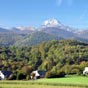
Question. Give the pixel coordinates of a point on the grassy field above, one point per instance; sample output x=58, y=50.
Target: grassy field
x=67, y=82
x=32, y=86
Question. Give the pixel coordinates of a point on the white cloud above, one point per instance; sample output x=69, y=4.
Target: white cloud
x=67, y=2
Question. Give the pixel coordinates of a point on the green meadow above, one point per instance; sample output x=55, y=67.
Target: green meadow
x=67, y=82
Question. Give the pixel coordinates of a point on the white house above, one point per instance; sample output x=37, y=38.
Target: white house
x=5, y=74
x=1, y=75
x=36, y=75
x=85, y=71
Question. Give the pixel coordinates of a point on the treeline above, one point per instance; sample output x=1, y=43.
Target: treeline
x=56, y=57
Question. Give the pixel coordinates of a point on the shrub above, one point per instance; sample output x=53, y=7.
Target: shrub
x=75, y=71
x=26, y=70
x=58, y=74
x=67, y=69
x=21, y=76
x=61, y=74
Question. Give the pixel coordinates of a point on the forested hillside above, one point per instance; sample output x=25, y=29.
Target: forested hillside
x=36, y=38
x=7, y=39
x=20, y=39
x=64, y=56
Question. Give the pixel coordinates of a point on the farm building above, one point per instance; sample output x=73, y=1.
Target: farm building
x=42, y=73
x=38, y=74
x=2, y=76
x=5, y=74
x=85, y=72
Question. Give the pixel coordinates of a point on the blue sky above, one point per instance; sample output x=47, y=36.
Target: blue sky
x=73, y=13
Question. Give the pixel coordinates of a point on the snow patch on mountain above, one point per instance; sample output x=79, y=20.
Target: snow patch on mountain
x=22, y=28
x=51, y=23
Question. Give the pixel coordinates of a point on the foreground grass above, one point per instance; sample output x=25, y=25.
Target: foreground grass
x=67, y=82
x=32, y=86
x=81, y=80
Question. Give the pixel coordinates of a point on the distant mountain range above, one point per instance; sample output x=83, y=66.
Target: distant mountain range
x=4, y=30
x=50, y=30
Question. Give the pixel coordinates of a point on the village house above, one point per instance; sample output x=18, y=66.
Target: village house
x=38, y=74
x=85, y=72
x=5, y=74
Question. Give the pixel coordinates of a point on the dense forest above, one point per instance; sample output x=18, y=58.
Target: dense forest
x=56, y=57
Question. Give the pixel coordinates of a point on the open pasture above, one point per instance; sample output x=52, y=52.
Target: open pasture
x=67, y=82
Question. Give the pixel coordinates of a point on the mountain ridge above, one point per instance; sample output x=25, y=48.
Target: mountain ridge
x=51, y=29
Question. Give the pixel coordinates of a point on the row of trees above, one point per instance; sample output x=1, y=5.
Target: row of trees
x=56, y=57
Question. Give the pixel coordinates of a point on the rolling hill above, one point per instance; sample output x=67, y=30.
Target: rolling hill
x=36, y=38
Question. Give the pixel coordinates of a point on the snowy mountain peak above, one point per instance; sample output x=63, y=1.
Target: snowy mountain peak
x=51, y=23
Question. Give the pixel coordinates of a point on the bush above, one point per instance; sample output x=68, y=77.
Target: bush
x=21, y=76
x=75, y=71
x=61, y=74
x=67, y=69
x=50, y=74
x=26, y=70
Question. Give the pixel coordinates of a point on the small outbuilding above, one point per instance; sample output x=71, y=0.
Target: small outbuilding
x=42, y=73
x=5, y=74
x=35, y=75
x=38, y=74
x=85, y=72
x=2, y=76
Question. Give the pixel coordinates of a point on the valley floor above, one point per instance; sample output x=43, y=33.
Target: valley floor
x=32, y=86
x=67, y=82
